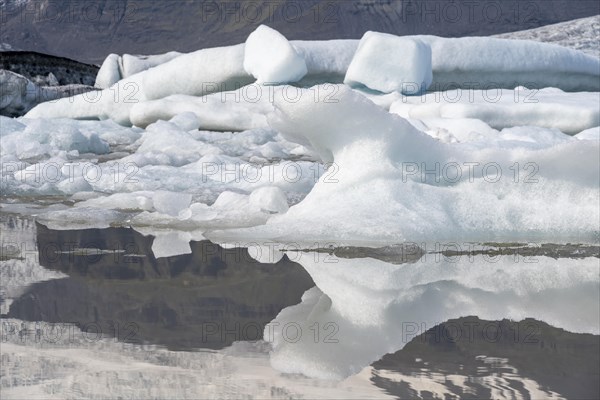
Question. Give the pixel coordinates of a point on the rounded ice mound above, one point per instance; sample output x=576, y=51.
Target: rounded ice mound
x=389, y=63
x=270, y=199
x=109, y=72
x=271, y=59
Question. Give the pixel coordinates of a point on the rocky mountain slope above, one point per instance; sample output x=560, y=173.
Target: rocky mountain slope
x=89, y=31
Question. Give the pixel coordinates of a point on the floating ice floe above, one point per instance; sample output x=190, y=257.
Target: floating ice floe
x=70, y=158
x=37, y=138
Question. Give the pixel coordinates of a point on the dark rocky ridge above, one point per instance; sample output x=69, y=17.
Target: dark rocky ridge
x=32, y=64
x=29, y=78
x=89, y=31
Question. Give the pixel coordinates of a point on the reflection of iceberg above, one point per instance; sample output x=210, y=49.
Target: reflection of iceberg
x=365, y=308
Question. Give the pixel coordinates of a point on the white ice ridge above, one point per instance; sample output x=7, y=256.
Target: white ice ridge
x=199, y=73
x=115, y=67
x=524, y=183
x=464, y=62
x=504, y=63
x=364, y=308
x=237, y=110
x=571, y=113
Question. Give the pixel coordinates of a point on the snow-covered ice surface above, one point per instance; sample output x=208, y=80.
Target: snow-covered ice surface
x=486, y=62
x=183, y=148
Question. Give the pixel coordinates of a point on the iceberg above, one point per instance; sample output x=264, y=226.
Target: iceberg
x=526, y=184
x=463, y=63
x=109, y=72
x=326, y=60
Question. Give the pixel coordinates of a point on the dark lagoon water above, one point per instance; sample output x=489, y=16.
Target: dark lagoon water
x=94, y=314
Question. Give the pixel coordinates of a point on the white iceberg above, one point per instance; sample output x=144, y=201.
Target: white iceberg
x=326, y=60
x=528, y=183
x=472, y=63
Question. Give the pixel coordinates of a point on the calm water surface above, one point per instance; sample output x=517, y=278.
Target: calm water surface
x=94, y=314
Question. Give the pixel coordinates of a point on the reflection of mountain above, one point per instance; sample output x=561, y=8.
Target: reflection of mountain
x=209, y=298
x=88, y=31
x=487, y=353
